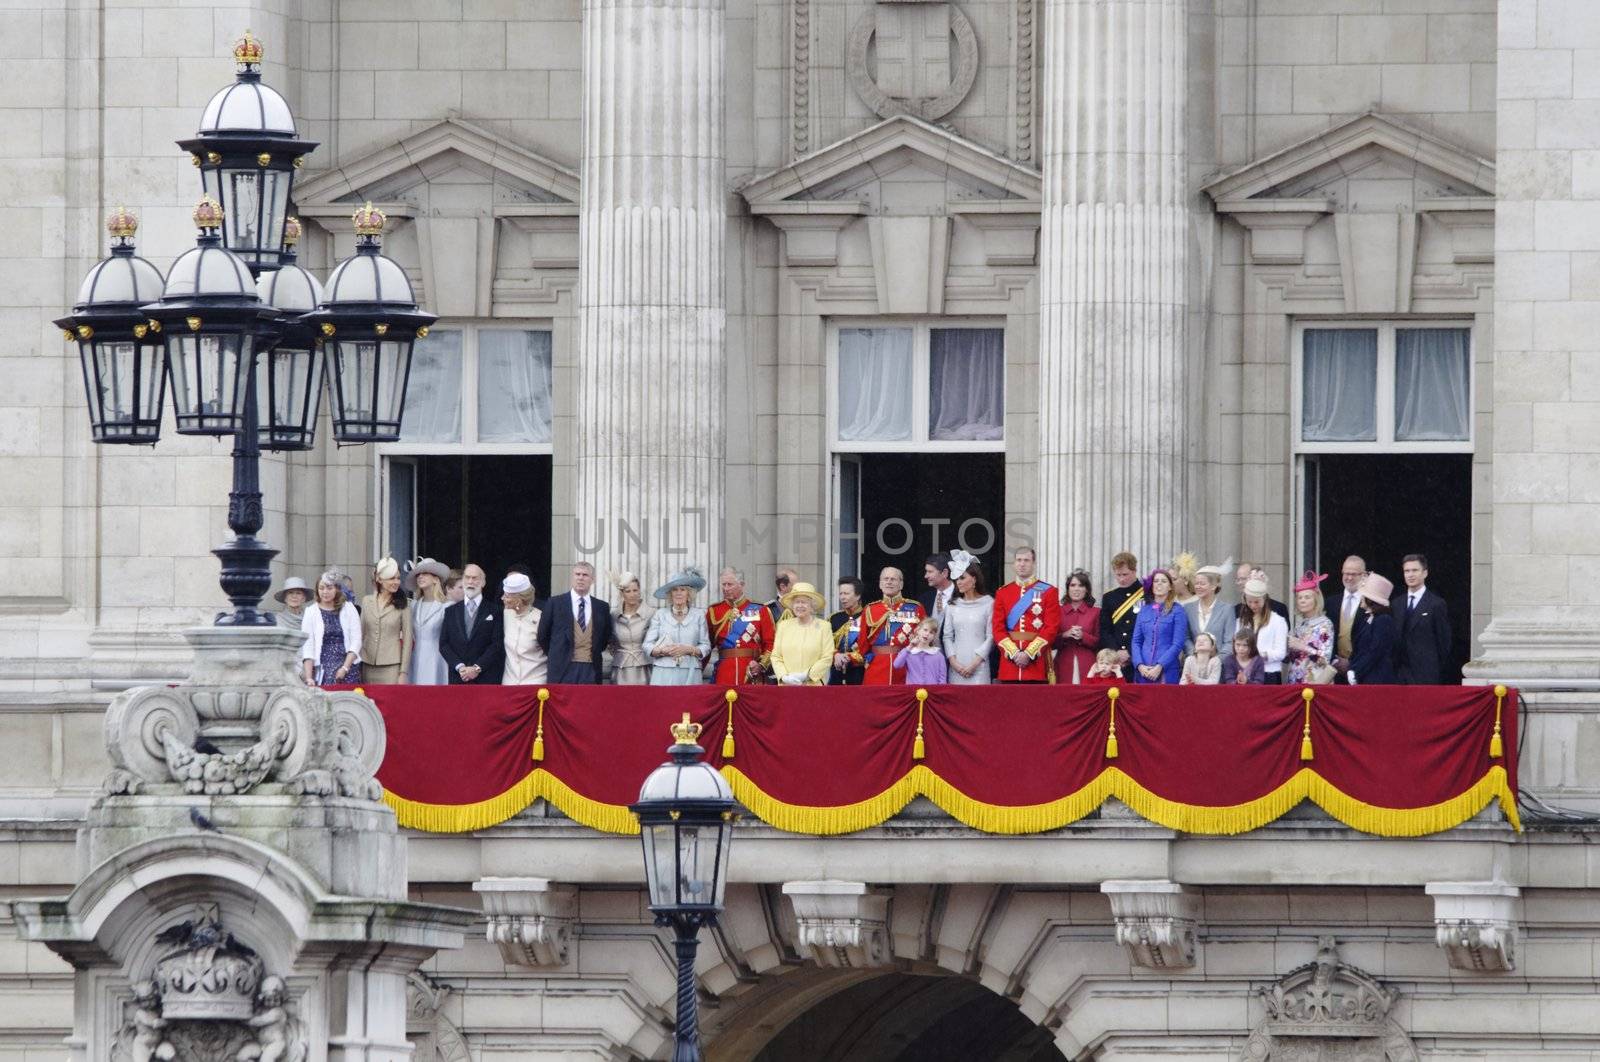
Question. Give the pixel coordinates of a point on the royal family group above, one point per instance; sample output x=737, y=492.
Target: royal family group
x=428, y=624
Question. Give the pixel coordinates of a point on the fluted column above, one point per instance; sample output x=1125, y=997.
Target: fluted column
x=651, y=309
x=1112, y=283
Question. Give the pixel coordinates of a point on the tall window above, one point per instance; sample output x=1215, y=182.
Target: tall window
x=477, y=387
x=918, y=387
x=1384, y=388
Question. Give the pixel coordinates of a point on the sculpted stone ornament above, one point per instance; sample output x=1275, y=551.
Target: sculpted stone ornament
x=436, y=1037
x=914, y=63
x=209, y=975
x=530, y=919
x=1156, y=921
x=1475, y=923
x=841, y=923
x=143, y=1037
x=1326, y=1010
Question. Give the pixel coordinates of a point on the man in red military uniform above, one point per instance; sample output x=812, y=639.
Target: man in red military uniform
x=886, y=628
x=1027, y=616
x=741, y=633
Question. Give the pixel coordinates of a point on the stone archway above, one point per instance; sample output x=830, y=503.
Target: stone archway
x=863, y=1016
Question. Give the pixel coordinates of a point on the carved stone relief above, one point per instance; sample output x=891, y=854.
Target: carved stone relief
x=917, y=73
x=1326, y=1011
x=434, y=1036
x=209, y=1001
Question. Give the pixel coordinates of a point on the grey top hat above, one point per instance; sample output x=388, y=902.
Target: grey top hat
x=689, y=577
x=294, y=582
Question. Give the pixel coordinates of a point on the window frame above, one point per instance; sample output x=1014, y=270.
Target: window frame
x=921, y=365
x=1385, y=395
x=469, y=329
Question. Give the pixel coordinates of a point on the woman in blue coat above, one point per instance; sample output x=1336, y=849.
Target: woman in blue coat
x=1372, y=659
x=1159, y=632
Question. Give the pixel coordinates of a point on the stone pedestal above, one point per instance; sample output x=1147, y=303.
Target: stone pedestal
x=242, y=886
x=1113, y=265
x=1546, y=552
x=652, y=313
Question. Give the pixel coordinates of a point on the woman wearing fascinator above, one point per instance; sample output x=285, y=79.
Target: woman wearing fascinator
x=967, y=632
x=629, y=664
x=424, y=580
x=678, y=640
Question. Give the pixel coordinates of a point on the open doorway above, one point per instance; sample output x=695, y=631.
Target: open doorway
x=896, y=508
x=1384, y=506
x=492, y=510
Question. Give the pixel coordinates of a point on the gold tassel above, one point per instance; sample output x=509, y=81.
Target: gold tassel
x=1497, y=745
x=538, y=735
x=1305, y=735
x=727, y=734
x=919, y=748
x=1111, y=735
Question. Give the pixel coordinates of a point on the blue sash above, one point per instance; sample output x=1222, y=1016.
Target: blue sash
x=1025, y=602
x=736, y=631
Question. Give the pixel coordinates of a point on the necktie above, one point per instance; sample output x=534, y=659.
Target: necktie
x=583, y=614
x=1411, y=602
x=472, y=612
x=1349, y=605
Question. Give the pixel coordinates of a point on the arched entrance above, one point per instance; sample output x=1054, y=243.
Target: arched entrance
x=899, y=1017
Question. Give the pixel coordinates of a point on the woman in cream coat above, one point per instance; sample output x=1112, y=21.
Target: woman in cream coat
x=386, y=633
x=678, y=640
x=630, y=622
x=526, y=664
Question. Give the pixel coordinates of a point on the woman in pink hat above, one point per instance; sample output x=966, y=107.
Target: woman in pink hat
x=1311, y=640
x=1372, y=662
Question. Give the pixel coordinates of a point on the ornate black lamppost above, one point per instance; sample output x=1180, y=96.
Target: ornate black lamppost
x=686, y=814
x=240, y=329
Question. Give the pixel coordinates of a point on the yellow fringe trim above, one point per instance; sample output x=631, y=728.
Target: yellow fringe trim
x=461, y=818
x=1306, y=784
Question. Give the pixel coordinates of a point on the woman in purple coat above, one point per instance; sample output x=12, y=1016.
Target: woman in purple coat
x=1159, y=632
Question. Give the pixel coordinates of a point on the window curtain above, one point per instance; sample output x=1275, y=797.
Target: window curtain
x=966, y=385
x=433, y=393
x=875, y=384
x=1432, y=396
x=513, y=386
x=1339, y=385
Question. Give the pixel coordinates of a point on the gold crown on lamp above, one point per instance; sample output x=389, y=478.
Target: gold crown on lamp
x=291, y=231
x=122, y=223
x=686, y=732
x=368, y=220
x=207, y=213
x=247, y=50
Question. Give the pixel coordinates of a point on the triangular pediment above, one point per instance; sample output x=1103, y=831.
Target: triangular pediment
x=450, y=152
x=903, y=152
x=1370, y=147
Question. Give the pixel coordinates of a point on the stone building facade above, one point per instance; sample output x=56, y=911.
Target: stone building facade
x=687, y=256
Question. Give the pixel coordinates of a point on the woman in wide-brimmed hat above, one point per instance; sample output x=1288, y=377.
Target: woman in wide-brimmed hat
x=424, y=581
x=293, y=598
x=630, y=622
x=1372, y=662
x=802, y=651
x=386, y=632
x=678, y=640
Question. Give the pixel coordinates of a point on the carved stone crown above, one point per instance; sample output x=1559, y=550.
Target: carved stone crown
x=210, y=977
x=1327, y=998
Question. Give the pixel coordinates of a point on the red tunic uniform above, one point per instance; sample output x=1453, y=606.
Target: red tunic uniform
x=1030, y=625
x=886, y=628
x=742, y=634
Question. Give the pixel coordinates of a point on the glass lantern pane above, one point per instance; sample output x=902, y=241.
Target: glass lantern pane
x=274, y=205
x=243, y=207
x=697, y=864
x=661, y=858
x=394, y=357
x=118, y=368
x=358, y=375
x=288, y=394
x=724, y=843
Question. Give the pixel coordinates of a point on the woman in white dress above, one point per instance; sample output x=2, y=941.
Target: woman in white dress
x=424, y=581
x=526, y=664
x=629, y=665
x=678, y=640
x=967, y=632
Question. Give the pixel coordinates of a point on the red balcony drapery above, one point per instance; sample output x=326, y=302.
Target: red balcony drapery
x=1395, y=760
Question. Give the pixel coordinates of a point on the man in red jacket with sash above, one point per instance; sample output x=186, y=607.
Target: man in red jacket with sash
x=741, y=633
x=1027, y=616
x=886, y=628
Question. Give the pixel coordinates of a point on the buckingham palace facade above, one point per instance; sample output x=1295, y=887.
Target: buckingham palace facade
x=832, y=285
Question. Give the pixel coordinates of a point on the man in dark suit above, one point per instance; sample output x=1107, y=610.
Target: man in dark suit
x=574, y=630
x=941, y=588
x=1344, y=611
x=470, y=639
x=1422, y=622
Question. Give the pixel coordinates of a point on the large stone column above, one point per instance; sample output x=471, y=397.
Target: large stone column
x=1112, y=284
x=1546, y=484
x=651, y=305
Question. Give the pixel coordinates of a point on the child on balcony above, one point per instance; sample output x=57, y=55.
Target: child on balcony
x=923, y=660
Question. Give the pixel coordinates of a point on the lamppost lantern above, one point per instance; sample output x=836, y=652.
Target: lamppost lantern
x=248, y=151
x=369, y=321
x=686, y=815
x=213, y=324
x=289, y=376
x=124, y=365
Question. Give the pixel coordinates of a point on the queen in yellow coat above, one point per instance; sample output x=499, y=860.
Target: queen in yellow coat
x=802, y=651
